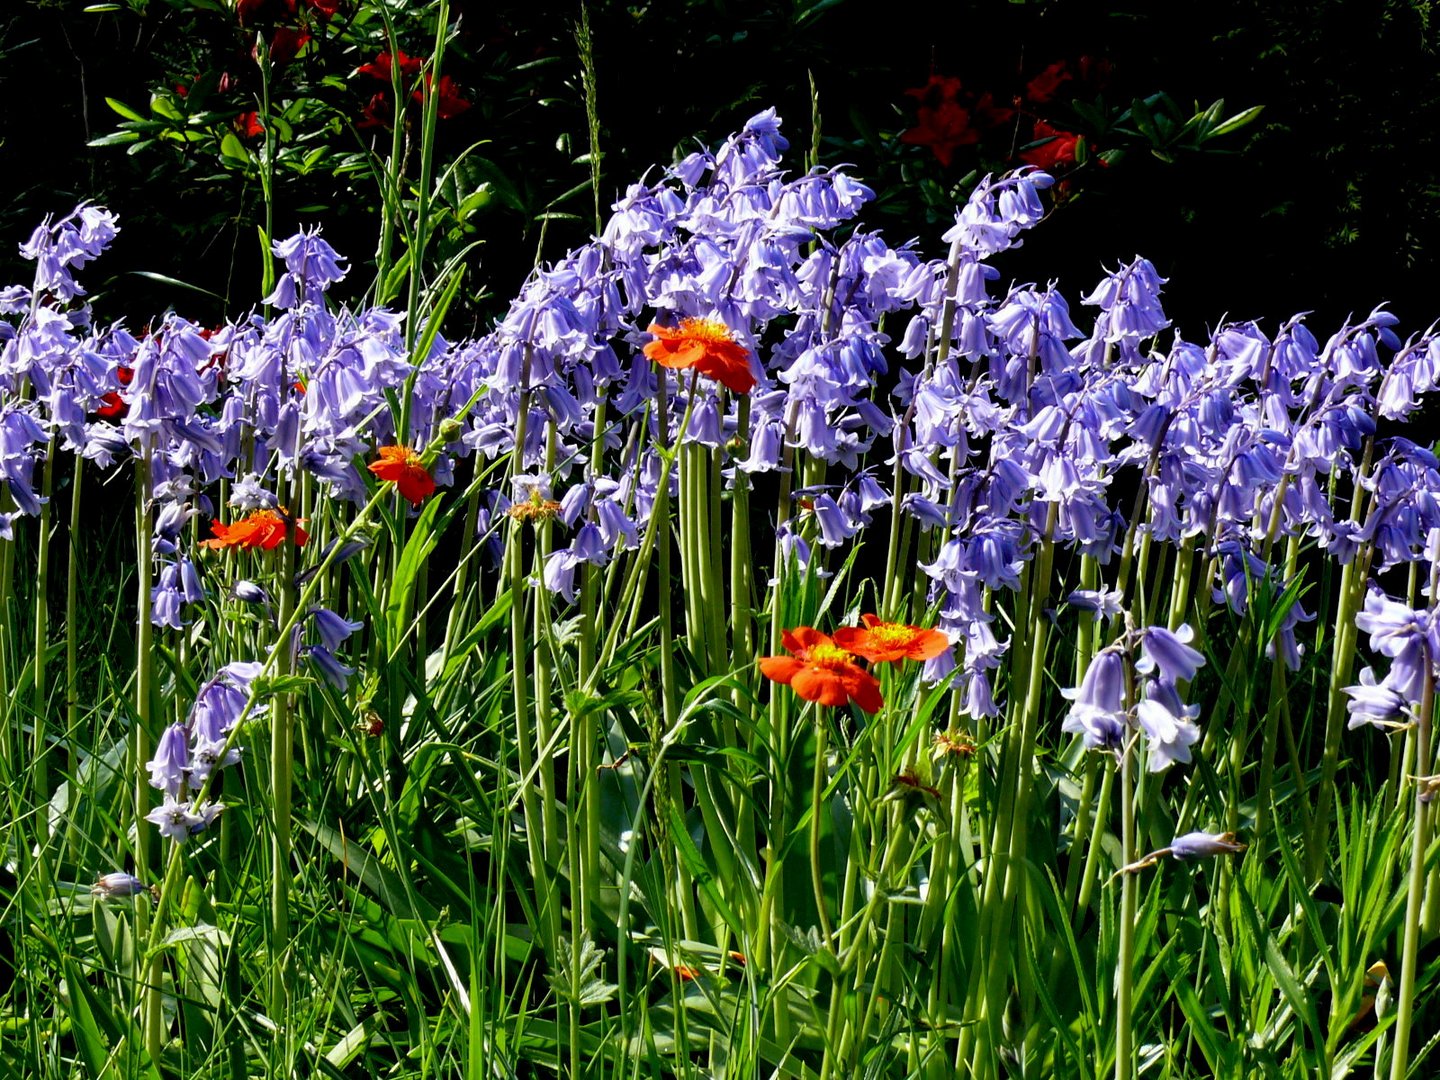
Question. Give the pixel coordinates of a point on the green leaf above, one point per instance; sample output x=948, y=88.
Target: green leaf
x=125, y=110
x=115, y=138
x=1236, y=122
x=165, y=279
x=423, y=539
x=1145, y=121
x=232, y=148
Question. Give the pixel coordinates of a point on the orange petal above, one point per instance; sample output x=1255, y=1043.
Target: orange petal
x=780, y=669
x=821, y=685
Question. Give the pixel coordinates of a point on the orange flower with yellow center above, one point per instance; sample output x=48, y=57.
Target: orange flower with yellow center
x=264, y=529
x=402, y=466
x=821, y=671
x=706, y=345
x=879, y=641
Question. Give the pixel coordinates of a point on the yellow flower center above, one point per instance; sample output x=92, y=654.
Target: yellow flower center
x=889, y=633
x=830, y=656
x=710, y=331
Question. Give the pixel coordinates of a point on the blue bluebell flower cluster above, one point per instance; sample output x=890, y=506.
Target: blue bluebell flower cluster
x=990, y=417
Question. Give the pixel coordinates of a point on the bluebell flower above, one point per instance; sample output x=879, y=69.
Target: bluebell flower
x=1098, y=710
x=116, y=885
x=169, y=766
x=330, y=668
x=1168, y=653
x=1201, y=845
x=1168, y=724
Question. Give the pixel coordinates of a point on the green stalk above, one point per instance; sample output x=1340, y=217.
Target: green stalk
x=72, y=603
x=1342, y=658
x=1124, y=1054
x=39, y=747
x=1414, y=899
x=1005, y=873
x=431, y=111
x=282, y=748
x=817, y=811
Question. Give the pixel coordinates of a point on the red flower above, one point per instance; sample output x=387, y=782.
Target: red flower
x=247, y=11
x=821, y=671
x=383, y=66
x=943, y=123
x=286, y=44
x=248, y=125
x=879, y=641
x=264, y=529
x=111, y=405
x=1058, y=150
x=401, y=465
x=377, y=112
x=706, y=345
x=1043, y=87
x=326, y=9
x=451, y=103
x=948, y=120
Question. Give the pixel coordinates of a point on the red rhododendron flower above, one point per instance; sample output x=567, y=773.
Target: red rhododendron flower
x=247, y=11
x=821, y=671
x=383, y=66
x=286, y=44
x=264, y=529
x=943, y=124
x=706, y=345
x=948, y=119
x=1043, y=87
x=248, y=125
x=452, y=103
x=377, y=112
x=401, y=465
x=1060, y=150
x=111, y=405
x=879, y=641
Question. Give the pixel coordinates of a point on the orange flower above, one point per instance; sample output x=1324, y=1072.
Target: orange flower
x=402, y=465
x=706, y=345
x=264, y=529
x=821, y=671
x=878, y=640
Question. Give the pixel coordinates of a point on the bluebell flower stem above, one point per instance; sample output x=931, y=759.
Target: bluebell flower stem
x=1342, y=658
x=1415, y=893
x=40, y=764
x=282, y=748
x=72, y=600
x=1124, y=1047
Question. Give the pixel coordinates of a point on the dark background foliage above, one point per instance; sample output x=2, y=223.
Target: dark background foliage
x=1328, y=203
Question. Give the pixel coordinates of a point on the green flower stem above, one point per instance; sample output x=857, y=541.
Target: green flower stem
x=72, y=601
x=1097, y=836
x=742, y=570
x=282, y=748
x=39, y=747
x=460, y=587
x=420, y=238
x=1414, y=898
x=544, y=674
x=1342, y=658
x=1124, y=1052
x=818, y=811
x=1005, y=863
x=1180, y=588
